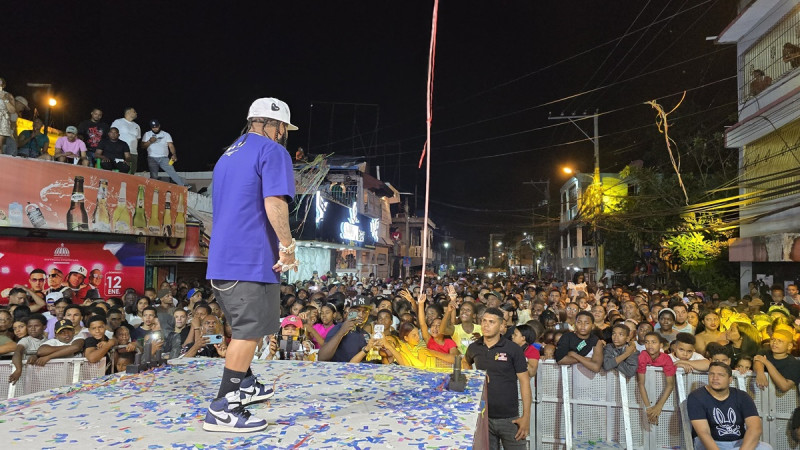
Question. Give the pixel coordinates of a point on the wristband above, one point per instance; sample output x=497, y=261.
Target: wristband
x=289, y=250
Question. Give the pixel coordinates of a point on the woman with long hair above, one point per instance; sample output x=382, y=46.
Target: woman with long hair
x=742, y=338
x=707, y=331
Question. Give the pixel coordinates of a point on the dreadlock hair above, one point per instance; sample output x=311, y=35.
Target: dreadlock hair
x=245, y=131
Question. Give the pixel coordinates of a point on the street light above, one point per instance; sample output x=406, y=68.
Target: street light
x=568, y=170
x=52, y=102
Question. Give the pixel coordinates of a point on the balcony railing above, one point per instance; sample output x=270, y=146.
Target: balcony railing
x=574, y=252
x=774, y=55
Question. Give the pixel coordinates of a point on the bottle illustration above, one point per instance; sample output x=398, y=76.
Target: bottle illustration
x=139, y=218
x=153, y=224
x=180, y=219
x=15, y=214
x=77, y=219
x=166, y=230
x=35, y=215
x=101, y=220
x=122, y=217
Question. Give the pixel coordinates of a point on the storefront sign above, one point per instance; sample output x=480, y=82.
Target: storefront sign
x=109, y=267
x=58, y=196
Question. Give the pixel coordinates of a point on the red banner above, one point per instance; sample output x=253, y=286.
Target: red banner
x=59, y=196
x=109, y=267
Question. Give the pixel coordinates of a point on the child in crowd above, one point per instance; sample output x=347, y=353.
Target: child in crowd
x=467, y=330
x=745, y=365
x=641, y=331
x=621, y=354
x=653, y=356
x=684, y=356
x=29, y=345
x=525, y=336
x=291, y=344
x=581, y=346
x=97, y=346
x=720, y=353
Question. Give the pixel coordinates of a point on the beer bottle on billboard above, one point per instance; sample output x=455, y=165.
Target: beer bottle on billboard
x=180, y=219
x=139, y=219
x=153, y=224
x=167, y=228
x=122, y=216
x=77, y=219
x=101, y=221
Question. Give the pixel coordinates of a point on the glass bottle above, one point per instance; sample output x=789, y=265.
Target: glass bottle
x=180, y=219
x=153, y=224
x=139, y=219
x=122, y=216
x=77, y=219
x=167, y=228
x=101, y=221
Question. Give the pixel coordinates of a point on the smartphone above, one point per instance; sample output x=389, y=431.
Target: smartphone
x=377, y=331
x=352, y=315
x=213, y=338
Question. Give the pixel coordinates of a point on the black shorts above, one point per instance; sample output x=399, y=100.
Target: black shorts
x=252, y=309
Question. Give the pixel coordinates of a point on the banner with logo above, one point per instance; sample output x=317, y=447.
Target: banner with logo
x=340, y=224
x=192, y=248
x=59, y=196
x=109, y=267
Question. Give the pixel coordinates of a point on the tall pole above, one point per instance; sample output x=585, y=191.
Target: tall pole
x=597, y=179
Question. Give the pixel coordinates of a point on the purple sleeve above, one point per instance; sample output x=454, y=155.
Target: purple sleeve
x=277, y=175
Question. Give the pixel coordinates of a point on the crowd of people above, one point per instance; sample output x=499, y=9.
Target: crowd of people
x=90, y=143
x=344, y=319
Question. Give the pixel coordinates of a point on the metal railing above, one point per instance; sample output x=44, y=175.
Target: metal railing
x=56, y=373
x=776, y=54
x=605, y=407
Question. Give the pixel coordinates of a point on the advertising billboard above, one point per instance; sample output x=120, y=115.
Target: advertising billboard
x=59, y=196
x=340, y=224
x=109, y=267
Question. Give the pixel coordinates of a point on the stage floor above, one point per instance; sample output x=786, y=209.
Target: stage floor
x=316, y=405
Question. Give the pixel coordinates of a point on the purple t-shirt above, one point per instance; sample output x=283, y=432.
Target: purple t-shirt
x=75, y=147
x=243, y=244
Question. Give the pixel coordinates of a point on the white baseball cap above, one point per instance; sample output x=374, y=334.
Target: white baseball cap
x=77, y=268
x=271, y=108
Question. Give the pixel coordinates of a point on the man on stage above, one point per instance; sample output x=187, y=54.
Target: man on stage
x=251, y=245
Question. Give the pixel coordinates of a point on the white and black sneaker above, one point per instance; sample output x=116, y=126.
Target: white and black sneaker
x=251, y=391
x=229, y=415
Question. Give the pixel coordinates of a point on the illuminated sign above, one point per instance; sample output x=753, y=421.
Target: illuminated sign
x=350, y=229
x=340, y=224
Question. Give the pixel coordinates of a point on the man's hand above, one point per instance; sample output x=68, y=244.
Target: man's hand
x=349, y=325
x=174, y=158
x=523, y=427
x=14, y=376
x=42, y=360
x=152, y=139
x=285, y=262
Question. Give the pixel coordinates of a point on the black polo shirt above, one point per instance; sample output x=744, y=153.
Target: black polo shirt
x=502, y=363
x=352, y=343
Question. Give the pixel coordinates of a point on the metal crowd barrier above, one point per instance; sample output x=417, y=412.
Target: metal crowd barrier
x=605, y=408
x=56, y=373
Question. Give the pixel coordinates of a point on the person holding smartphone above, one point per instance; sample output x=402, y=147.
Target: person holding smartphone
x=348, y=338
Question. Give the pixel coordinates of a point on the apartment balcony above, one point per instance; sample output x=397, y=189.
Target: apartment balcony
x=775, y=55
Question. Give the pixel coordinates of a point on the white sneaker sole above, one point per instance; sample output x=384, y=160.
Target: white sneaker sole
x=229, y=429
x=250, y=400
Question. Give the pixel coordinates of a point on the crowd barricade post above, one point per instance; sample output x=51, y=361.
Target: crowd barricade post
x=607, y=407
x=55, y=374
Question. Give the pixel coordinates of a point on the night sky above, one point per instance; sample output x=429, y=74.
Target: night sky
x=363, y=65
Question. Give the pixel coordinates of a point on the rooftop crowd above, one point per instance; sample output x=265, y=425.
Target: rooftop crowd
x=92, y=142
x=397, y=321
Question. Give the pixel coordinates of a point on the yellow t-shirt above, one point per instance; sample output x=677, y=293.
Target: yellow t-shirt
x=463, y=339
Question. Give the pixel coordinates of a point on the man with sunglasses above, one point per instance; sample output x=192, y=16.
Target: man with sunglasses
x=55, y=280
x=160, y=151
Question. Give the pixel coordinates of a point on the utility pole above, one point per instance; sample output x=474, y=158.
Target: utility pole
x=546, y=233
x=597, y=181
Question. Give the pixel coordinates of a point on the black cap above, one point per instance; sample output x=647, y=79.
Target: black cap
x=155, y=123
x=361, y=300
